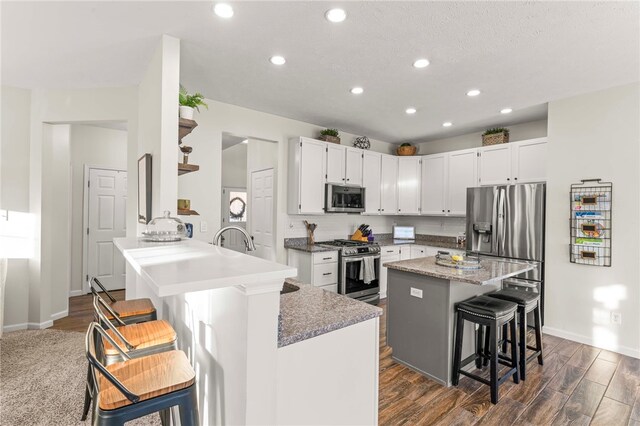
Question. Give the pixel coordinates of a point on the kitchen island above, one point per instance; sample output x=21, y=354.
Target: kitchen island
x=420, y=309
x=260, y=357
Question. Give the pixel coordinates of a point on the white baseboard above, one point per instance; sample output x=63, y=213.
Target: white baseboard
x=39, y=326
x=73, y=293
x=27, y=326
x=59, y=315
x=624, y=350
x=15, y=327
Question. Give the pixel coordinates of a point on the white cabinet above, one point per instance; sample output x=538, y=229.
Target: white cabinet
x=371, y=181
x=353, y=163
x=434, y=184
x=335, y=163
x=515, y=162
x=405, y=251
x=462, y=174
x=319, y=269
x=529, y=160
x=389, y=185
x=409, y=172
x=495, y=164
x=307, y=160
x=418, y=251
x=387, y=254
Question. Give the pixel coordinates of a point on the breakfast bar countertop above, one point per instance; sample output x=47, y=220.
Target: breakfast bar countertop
x=311, y=311
x=491, y=270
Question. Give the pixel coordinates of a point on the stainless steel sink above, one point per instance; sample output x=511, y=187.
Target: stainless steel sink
x=289, y=288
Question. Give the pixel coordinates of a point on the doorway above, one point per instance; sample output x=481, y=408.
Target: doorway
x=234, y=212
x=262, y=213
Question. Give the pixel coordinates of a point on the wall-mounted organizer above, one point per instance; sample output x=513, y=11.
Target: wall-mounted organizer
x=590, y=223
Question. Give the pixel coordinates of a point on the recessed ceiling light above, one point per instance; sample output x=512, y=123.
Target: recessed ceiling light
x=335, y=15
x=357, y=90
x=277, y=60
x=410, y=110
x=421, y=63
x=447, y=124
x=506, y=111
x=474, y=92
x=223, y=10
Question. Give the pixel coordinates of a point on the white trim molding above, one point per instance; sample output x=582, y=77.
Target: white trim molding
x=74, y=293
x=59, y=315
x=624, y=350
x=27, y=326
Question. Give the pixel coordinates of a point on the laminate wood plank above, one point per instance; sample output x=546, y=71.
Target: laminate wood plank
x=583, y=402
x=393, y=414
x=630, y=366
x=584, y=356
x=567, y=379
x=479, y=403
x=549, y=342
x=633, y=422
x=503, y=413
x=611, y=413
x=601, y=371
x=623, y=387
x=575, y=420
x=567, y=348
x=439, y=407
x=609, y=356
x=635, y=412
x=458, y=417
x=544, y=408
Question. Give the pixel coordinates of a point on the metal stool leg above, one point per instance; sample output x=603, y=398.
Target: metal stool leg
x=455, y=377
x=189, y=409
x=87, y=394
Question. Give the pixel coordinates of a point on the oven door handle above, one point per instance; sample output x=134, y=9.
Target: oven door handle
x=358, y=259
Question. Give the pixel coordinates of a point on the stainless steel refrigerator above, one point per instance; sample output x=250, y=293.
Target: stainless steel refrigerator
x=508, y=222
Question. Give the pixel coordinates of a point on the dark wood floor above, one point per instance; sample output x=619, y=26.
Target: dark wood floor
x=577, y=385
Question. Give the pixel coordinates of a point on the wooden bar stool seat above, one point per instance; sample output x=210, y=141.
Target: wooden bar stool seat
x=141, y=336
x=147, y=377
x=129, y=311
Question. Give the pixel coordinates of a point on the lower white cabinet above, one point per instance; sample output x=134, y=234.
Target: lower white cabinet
x=387, y=254
x=319, y=269
x=405, y=251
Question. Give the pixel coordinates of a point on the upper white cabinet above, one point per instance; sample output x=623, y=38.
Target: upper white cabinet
x=371, y=180
x=307, y=160
x=389, y=185
x=529, y=160
x=462, y=174
x=495, y=164
x=354, y=163
x=344, y=165
x=335, y=163
x=409, y=172
x=434, y=184
x=515, y=162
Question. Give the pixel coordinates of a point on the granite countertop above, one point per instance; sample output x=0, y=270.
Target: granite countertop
x=440, y=241
x=491, y=269
x=301, y=244
x=311, y=312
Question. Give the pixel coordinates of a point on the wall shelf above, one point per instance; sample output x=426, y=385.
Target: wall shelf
x=186, y=212
x=185, y=127
x=187, y=168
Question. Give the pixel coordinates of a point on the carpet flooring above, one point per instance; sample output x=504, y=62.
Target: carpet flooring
x=42, y=379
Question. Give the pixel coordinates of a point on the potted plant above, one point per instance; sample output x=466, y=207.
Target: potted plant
x=495, y=136
x=330, y=135
x=406, y=149
x=190, y=102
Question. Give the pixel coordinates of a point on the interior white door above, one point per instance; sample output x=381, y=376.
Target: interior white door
x=335, y=164
x=495, y=165
x=529, y=160
x=261, y=211
x=434, y=184
x=107, y=220
x=371, y=181
x=409, y=185
x=353, y=161
x=389, y=179
x=463, y=174
x=234, y=212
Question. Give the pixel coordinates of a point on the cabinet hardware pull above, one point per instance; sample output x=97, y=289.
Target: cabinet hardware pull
x=327, y=273
x=389, y=251
x=326, y=258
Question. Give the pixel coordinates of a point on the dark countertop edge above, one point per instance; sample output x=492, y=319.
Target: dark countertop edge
x=300, y=337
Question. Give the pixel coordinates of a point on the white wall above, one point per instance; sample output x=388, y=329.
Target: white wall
x=234, y=166
x=517, y=132
x=596, y=135
x=14, y=184
x=92, y=146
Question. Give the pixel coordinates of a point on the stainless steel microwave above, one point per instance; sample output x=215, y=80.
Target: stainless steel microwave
x=344, y=199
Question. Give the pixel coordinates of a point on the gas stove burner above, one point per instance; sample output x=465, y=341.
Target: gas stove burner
x=350, y=247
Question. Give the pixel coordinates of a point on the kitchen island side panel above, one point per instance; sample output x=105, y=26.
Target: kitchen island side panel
x=420, y=330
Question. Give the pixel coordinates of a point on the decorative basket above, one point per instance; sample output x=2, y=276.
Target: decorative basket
x=495, y=138
x=362, y=142
x=332, y=139
x=406, y=150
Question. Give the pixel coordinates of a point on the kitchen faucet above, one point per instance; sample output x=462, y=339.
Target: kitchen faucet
x=248, y=240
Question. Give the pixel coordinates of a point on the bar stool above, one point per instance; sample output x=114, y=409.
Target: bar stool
x=139, y=386
x=136, y=340
x=527, y=301
x=130, y=311
x=491, y=313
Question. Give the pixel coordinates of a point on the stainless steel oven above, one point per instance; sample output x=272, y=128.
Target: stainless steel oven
x=352, y=279
x=344, y=199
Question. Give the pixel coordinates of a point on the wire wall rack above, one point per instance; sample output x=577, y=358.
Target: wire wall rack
x=590, y=222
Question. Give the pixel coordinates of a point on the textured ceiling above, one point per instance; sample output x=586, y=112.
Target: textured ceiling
x=520, y=55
